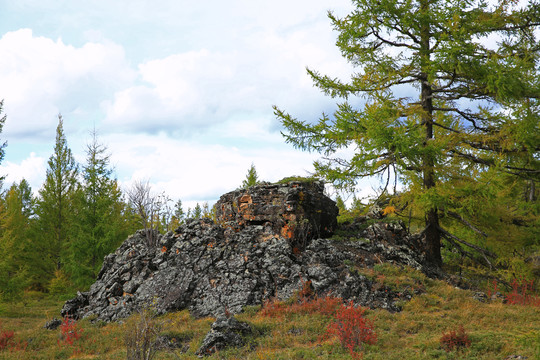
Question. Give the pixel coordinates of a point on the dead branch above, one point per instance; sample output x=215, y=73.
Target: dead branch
x=465, y=222
x=485, y=253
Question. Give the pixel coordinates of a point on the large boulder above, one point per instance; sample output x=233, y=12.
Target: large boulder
x=298, y=211
x=251, y=255
x=212, y=270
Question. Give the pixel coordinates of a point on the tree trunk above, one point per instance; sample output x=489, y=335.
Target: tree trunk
x=432, y=235
x=531, y=193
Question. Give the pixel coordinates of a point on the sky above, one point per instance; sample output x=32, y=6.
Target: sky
x=180, y=92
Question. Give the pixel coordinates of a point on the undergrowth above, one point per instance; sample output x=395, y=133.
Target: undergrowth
x=352, y=329
x=455, y=340
x=301, y=328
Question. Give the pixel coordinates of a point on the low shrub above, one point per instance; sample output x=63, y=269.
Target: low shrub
x=522, y=293
x=327, y=305
x=141, y=337
x=5, y=338
x=273, y=308
x=70, y=332
x=352, y=329
x=455, y=340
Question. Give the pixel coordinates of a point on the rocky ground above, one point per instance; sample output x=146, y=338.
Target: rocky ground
x=269, y=242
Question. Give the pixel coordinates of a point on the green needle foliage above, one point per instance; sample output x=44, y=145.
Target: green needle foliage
x=99, y=227
x=15, y=212
x=251, y=179
x=450, y=91
x=55, y=204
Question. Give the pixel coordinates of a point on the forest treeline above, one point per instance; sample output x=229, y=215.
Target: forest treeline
x=55, y=241
x=450, y=124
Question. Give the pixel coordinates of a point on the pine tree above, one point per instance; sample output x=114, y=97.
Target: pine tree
x=55, y=204
x=197, y=212
x=252, y=178
x=443, y=103
x=15, y=245
x=98, y=228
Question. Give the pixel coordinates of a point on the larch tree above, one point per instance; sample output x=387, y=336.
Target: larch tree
x=16, y=252
x=55, y=203
x=98, y=227
x=252, y=178
x=179, y=214
x=451, y=93
x=197, y=212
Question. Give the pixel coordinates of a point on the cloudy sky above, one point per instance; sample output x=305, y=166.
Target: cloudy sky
x=181, y=92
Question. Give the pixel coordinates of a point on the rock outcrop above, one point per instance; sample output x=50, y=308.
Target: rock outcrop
x=298, y=211
x=247, y=258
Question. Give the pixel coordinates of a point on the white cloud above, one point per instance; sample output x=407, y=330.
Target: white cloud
x=42, y=77
x=184, y=101
x=32, y=169
x=201, y=87
x=196, y=172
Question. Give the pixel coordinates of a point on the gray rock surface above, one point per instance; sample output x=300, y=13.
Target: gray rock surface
x=53, y=324
x=225, y=332
x=298, y=211
x=214, y=269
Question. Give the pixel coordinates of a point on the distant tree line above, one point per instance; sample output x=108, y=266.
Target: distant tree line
x=56, y=241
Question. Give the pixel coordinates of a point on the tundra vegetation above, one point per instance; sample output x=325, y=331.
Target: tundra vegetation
x=442, y=106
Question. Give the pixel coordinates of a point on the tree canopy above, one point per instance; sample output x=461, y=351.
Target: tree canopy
x=451, y=99
x=98, y=227
x=55, y=204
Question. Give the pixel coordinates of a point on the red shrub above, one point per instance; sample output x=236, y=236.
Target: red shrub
x=273, y=308
x=69, y=331
x=306, y=292
x=522, y=293
x=493, y=288
x=5, y=338
x=327, y=305
x=455, y=340
x=352, y=329
x=306, y=301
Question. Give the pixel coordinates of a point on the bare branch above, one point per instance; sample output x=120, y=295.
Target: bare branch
x=465, y=222
x=466, y=243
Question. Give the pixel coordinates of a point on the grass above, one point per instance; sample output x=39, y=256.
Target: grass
x=495, y=330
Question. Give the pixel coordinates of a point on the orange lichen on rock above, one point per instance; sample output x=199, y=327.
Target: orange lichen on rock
x=248, y=217
x=287, y=231
x=246, y=199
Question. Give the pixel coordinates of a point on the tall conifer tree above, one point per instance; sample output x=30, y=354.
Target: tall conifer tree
x=55, y=203
x=98, y=228
x=451, y=91
x=15, y=247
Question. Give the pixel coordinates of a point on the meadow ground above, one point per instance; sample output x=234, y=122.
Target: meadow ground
x=296, y=330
